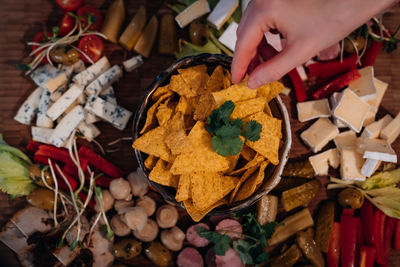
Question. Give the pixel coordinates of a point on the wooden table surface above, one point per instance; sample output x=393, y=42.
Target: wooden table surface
x=20, y=20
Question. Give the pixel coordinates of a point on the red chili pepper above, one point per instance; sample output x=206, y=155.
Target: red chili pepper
x=299, y=86
x=33, y=146
x=367, y=226
x=73, y=170
x=41, y=159
x=372, y=52
x=359, y=241
x=348, y=238
x=336, y=84
x=396, y=236
x=332, y=68
x=332, y=257
x=349, y=212
x=83, y=197
x=387, y=239
x=379, y=232
x=54, y=153
x=367, y=256
x=99, y=162
x=61, y=182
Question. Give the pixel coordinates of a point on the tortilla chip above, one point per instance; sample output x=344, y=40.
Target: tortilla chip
x=150, y=162
x=161, y=175
x=267, y=110
x=250, y=185
x=183, y=190
x=205, y=105
x=243, y=179
x=227, y=79
x=152, y=143
x=150, y=115
x=178, y=85
x=209, y=187
x=176, y=138
x=189, y=122
x=247, y=153
x=216, y=81
x=196, y=77
x=184, y=106
x=160, y=91
x=196, y=214
x=268, y=144
x=233, y=159
x=256, y=161
x=248, y=107
x=164, y=112
x=270, y=90
x=202, y=157
x=236, y=93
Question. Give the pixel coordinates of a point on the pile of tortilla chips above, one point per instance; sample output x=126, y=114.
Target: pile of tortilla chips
x=179, y=146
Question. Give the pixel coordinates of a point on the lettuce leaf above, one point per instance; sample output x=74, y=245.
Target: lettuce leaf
x=188, y=49
x=382, y=179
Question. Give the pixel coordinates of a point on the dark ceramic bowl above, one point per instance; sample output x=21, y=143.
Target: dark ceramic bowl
x=272, y=173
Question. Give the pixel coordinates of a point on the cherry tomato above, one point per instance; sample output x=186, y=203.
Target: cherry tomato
x=92, y=46
x=69, y=5
x=66, y=25
x=84, y=12
x=41, y=37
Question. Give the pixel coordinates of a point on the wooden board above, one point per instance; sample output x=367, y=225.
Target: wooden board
x=20, y=20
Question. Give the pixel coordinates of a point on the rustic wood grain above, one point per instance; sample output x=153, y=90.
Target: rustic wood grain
x=20, y=20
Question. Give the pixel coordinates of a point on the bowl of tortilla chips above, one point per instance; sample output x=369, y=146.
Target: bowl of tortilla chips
x=200, y=168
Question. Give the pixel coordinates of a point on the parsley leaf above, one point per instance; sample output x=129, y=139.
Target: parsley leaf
x=228, y=131
x=220, y=117
x=242, y=248
x=221, y=242
x=252, y=131
x=226, y=146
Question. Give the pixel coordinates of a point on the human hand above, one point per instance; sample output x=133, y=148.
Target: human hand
x=308, y=26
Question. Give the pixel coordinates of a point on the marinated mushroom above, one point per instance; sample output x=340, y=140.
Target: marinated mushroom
x=148, y=204
x=135, y=218
x=108, y=201
x=166, y=216
x=118, y=226
x=173, y=238
x=120, y=189
x=138, y=182
x=148, y=233
x=121, y=204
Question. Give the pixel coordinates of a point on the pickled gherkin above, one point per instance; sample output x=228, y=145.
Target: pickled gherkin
x=295, y=168
x=323, y=226
x=288, y=258
x=300, y=195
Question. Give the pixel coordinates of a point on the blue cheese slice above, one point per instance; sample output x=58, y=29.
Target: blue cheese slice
x=42, y=135
x=377, y=149
x=54, y=96
x=319, y=134
x=133, y=63
x=64, y=102
x=44, y=102
x=109, y=77
x=321, y=162
x=192, y=12
x=29, y=108
x=228, y=37
x=222, y=12
x=49, y=77
x=66, y=126
x=114, y=114
x=72, y=69
x=91, y=118
x=88, y=75
x=374, y=129
x=370, y=166
x=351, y=163
x=392, y=130
x=365, y=86
x=108, y=95
x=310, y=110
x=347, y=139
x=89, y=131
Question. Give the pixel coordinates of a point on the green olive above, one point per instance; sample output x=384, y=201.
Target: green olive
x=41, y=198
x=127, y=248
x=158, y=254
x=64, y=54
x=351, y=198
x=359, y=41
x=36, y=175
x=198, y=33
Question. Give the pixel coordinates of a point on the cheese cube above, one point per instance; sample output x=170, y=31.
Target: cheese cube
x=42, y=135
x=351, y=110
x=351, y=163
x=133, y=63
x=365, y=86
x=64, y=102
x=274, y=39
x=29, y=108
x=374, y=129
x=321, y=162
x=370, y=166
x=381, y=90
x=49, y=77
x=44, y=102
x=377, y=149
x=309, y=110
x=108, y=95
x=319, y=134
x=228, y=37
x=370, y=116
x=392, y=130
x=75, y=68
x=88, y=75
x=334, y=99
x=104, y=80
x=347, y=139
x=89, y=131
x=222, y=12
x=192, y=12
x=245, y=3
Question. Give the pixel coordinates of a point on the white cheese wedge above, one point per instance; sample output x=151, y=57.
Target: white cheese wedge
x=44, y=102
x=274, y=39
x=108, y=95
x=347, y=139
x=49, y=77
x=29, y=108
x=64, y=102
x=109, y=77
x=351, y=163
x=72, y=69
x=87, y=76
x=392, y=130
x=370, y=116
x=228, y=37
x=321, y=162
x=310, y=110
x=319, y=134
x=374, y=129
x=133, y=63
x=381, y=87
x=192, y=12
x=222, y=12
x=377, y=149
x=370, y=166
x=89, y=131
x=42, y=135
x=114, y=114
x=91, y=118
x=351, y=110
x=365, y=86
x=245, y=3
x=66, y=126
x=333, y=99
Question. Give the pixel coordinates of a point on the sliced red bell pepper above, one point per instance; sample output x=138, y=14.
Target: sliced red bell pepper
x=100, y=163
x=33, y=146
x=61, y=182
x=396, y=236
x=367, y=256
x=103, y=181
x=83, y=197
x=54, y=153
x=369, y=57
x=348, y=238
x=379, y=233
x=332, y=257
x=387, y=239
x=332, y=68
x=336, y=84
x=73, y=170
x=349, y=212
x=359, y=241
x=367, y=226
x=299, y=86
x=41, y=159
